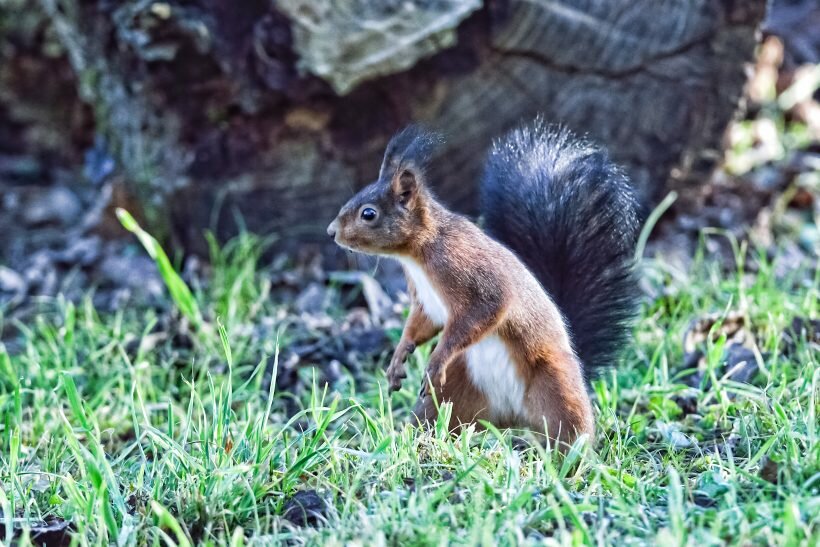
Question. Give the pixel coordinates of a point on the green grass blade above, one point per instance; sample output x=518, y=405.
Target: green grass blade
x=180, y=293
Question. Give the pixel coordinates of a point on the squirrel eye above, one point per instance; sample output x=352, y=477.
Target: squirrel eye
x=369, y=214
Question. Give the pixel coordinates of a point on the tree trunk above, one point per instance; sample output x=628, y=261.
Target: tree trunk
x=224, y=113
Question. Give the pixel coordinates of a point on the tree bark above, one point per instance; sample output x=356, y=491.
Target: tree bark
x=225, y=113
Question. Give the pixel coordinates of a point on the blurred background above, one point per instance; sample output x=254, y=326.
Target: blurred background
x=217, y=117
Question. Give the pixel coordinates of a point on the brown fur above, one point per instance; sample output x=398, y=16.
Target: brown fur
x=487, y=290
x=469, y=403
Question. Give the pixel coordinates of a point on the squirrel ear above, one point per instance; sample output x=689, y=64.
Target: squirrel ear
x=413, y=144
x=405, y=186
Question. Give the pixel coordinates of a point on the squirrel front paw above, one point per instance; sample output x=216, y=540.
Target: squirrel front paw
x=397, y=372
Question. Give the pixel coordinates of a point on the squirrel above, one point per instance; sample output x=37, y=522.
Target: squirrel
x=549, y=290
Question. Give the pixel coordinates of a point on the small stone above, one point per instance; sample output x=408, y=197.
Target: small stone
x=378, y=302
x=11, y=200
x=57, y=205
x=161, y=9
x=98, y=162
x=305, y=508
x=83, y=251
x=333, y=371
x=674, y=437
x=40, y=274
x=366, y=342
x=11, y=281
x=801, y=327
x=54, y=531
x=137, y=273
x=769, y=470
x=312, y=300
x=741, y=363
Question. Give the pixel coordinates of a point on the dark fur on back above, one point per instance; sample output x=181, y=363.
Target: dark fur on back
x=569, y=213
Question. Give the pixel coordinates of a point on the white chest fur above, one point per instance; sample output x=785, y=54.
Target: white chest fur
x=489, y=362
x=428, y=297
x=493, y=371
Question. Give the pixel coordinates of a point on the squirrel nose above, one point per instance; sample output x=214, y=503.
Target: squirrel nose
x=331, y=230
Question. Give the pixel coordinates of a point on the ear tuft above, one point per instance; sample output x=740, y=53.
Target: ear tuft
x=412, y=146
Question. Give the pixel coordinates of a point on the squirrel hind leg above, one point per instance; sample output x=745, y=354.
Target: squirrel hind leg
x=560, y=410
x=469, y=403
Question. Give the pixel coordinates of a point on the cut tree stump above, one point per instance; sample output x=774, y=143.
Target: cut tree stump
x=225, y=113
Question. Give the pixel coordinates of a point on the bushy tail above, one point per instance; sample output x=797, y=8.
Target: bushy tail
x=569, y=213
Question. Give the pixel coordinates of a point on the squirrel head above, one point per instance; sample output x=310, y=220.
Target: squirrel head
x=389, y=215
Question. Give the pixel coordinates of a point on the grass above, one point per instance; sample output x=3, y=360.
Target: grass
x=137, y=439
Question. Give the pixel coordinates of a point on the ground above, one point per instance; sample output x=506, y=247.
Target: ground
x=129, y=427
x=244, y=400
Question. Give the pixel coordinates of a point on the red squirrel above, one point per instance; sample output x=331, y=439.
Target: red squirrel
x=522, y=309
